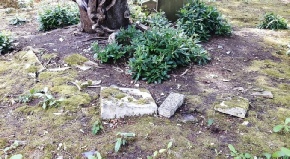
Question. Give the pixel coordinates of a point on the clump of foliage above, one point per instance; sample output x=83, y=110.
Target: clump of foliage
x=273, y=21
x=97, y=127
x=58, y=17
x=48, y=99
x=284, y=153
x=156, y=20
x=17, y=21
x=237, y=155
x=5, y=42
x=157, y=154
x=153, y=53
x=122, y=139
x=285, y=127
x=26, y=98
x=201, y=21
x=111, y=51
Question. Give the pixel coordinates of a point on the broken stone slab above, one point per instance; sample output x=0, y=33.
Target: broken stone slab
x=119, y=102
x=58, y=69
x=32, y=63
x=265, y=94
x=88, y=65
x=237, y=106
x=189, y=118
x=171, y=104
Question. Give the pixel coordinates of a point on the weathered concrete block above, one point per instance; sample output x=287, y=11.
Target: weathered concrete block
x=265, y=94
x=170, y=104
x=237, y=106
x=120, y=102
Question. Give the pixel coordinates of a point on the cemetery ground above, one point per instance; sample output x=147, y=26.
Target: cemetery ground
x=250, y=60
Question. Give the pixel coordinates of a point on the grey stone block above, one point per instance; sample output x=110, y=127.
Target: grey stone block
x=120, y=102
x=237, y=106
x=171, y=104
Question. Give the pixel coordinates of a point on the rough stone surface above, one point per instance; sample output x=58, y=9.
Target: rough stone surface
x=236, y=106
x=170, y=105
x=265, y=94
x=189, y=118
x=120, y=102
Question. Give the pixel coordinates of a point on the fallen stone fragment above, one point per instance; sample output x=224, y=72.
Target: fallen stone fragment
x=84, y=67
x=32, y=63
x=237, y=106
x=119, y=102
x=58, y=69
x=170, y=105
x=189, y=118
x=265, y=94
x=88, y=65
x=241, y=89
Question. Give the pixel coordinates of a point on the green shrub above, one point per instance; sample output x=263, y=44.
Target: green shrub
x=5, y=42
x=160, y=50
x=110, y=52
x=157, y=19
x=201, y=21
x=58, y=17
x=273, y=21
x=153, y=53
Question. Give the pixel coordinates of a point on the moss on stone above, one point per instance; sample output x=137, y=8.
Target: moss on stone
x=75, y=59
x=142, y=101
x=233, y=103
x=111, y=92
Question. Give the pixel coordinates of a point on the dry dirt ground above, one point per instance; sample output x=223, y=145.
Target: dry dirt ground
x=249, y=60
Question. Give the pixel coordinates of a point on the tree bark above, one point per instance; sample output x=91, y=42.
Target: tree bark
x=103, y=16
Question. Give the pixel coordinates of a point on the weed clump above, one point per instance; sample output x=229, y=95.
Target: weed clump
x=201, y=21
x=273, y=21
x=5, y=42
x=58, y=17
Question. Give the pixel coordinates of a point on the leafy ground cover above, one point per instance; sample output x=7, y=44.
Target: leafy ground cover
x=250, y=59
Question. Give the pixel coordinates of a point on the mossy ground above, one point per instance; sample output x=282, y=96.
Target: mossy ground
x=66, y=130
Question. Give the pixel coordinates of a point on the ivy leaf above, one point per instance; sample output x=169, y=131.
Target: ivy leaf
x=285, y=151
x=118, y=144
x=287, y=121
x=162, y=150
x=231, y=147
x=169, y=145
x=278, y=128
x=267, y=155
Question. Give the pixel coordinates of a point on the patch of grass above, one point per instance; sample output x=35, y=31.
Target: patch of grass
x=273, y=21
x=75, y=59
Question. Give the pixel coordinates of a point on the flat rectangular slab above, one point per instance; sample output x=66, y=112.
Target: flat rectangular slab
x=119, y=102
x=237, y=106
x=171, y=104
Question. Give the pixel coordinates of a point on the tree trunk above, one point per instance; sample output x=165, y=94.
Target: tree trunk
x=103, y=16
